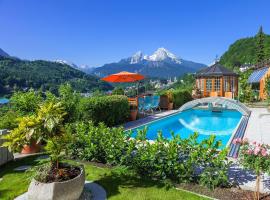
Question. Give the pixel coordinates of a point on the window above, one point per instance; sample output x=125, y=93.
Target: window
x=202, y=84
x=199, y=83
x=232, y=84
x=226, y=84
x=217, y=84
x=208, y=85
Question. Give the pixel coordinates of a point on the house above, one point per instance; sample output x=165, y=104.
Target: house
x=258, y=79
x=217, y=80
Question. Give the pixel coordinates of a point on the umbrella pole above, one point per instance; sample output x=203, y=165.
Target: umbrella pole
x=138, y=88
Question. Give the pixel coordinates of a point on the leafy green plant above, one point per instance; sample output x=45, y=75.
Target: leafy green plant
x=170, y=95
x=24, y=134
x=214, y=163
x=69, y=100
x=26, y=102
x=118, y=91
x=245, y=89
x=180, y=97
x=46, y=125
x=97, y=143
x=112, y=110
x=8, y=118
x=178, y=159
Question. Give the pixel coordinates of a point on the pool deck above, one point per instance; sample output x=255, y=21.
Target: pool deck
x=148, y=119
x=259, y=125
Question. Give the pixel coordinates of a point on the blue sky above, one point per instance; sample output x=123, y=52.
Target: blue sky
x=95, y=32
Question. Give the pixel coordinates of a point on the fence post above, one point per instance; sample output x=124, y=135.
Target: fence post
x=5, y=155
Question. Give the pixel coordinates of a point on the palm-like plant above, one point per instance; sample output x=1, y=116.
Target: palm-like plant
x=24, y=134
x=46, y=125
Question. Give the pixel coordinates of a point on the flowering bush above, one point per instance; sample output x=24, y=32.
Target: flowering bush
x=254, y=156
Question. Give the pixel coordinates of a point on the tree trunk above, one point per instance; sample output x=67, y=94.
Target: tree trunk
x=257, y=193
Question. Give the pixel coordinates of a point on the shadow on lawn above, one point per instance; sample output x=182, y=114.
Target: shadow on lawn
x=9, y=167
x=114, y=181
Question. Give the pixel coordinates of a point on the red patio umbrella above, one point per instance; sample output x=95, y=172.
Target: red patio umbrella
x=123, y=77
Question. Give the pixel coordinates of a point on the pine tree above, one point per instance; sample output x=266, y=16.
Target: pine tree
x=260, y=49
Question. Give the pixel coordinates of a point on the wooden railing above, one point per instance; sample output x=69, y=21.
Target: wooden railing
x=5, y=155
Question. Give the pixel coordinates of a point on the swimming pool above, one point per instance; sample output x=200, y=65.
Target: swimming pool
x=205, y=122
x=3, y=100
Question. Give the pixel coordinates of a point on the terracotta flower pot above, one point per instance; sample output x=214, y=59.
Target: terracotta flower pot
x=133, y=115
x=170, y=106
x=31, y=148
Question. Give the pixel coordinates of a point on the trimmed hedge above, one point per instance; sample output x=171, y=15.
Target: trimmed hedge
x=111, y=110
x=180, y=97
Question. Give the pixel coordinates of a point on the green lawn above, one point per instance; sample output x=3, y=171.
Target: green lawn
x=119, y=183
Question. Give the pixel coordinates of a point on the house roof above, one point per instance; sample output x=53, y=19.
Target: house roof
x=215, y=70
x=257, y=75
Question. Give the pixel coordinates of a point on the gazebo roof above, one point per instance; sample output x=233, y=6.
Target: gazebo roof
x=215, y=70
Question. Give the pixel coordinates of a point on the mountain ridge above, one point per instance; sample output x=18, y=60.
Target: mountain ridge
x=162, y=64
x=16, y=74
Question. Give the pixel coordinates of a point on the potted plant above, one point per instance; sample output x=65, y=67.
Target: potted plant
x=254, y=156
x=133, y=112
x=23, y=138
x=170, y=99
x=53, y=180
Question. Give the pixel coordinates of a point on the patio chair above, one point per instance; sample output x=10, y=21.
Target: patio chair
x=141, y=104
x=155, y=102
x=147, y=103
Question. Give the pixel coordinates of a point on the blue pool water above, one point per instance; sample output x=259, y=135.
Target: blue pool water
x=205, y=122
x=3, y=100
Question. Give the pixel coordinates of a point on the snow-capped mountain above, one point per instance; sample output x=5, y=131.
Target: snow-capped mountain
x=84, y=68
x=71, y=64
x=161, y=54
x=162, y=63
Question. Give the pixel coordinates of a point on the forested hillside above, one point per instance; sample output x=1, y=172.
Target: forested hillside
x=245, y=51
x=20, y=74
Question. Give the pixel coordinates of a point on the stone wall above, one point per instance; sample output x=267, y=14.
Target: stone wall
x=5, y=155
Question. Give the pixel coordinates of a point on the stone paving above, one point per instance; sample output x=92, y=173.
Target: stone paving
x=258, y=128
x=246, y=180
x=148, y=119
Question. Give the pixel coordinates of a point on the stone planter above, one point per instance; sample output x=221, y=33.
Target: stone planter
x=67, y=190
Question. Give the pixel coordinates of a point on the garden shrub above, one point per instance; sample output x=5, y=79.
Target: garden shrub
x=118, y=91
x=180, y=97
x=26, y=102
x=177, y=96
x=112, y=110
x=97, y=143
x=178, y=159
x=8, y=118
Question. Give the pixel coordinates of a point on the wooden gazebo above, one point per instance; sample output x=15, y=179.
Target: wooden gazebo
x=217, y=81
